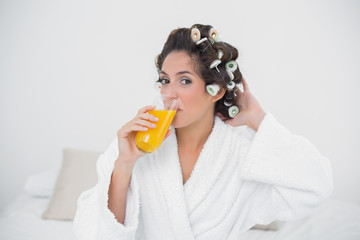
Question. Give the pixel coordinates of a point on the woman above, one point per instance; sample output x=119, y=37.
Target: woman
x=218, y=174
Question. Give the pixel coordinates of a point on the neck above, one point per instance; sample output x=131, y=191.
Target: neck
x=194, y=136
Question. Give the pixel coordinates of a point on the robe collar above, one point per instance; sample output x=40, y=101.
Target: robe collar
x=182, y=199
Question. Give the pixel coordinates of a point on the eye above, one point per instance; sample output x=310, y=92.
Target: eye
x=164, y=81
x=186, y=81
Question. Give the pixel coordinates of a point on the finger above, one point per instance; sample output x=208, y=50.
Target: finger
x=229, y=121
x=145, y=123
x=138, y=128
x=133, y=128
x=237, y=91
x=148, y=116
x=245, y=85
x=146, y=109
x=168, y=133
x=221, y=116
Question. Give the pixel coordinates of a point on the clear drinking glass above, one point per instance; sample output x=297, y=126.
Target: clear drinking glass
x=165, y=111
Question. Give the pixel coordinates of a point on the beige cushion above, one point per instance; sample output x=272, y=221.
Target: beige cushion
x=77, y=174
x=271, y=226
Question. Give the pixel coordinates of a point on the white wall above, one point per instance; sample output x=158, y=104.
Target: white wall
x=72, y=72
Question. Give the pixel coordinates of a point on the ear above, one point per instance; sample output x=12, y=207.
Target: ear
x=219, y=95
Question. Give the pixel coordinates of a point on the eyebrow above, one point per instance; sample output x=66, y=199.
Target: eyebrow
x=179, y=73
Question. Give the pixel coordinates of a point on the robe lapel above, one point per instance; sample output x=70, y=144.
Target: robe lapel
x=168, y=168
x=211, y=162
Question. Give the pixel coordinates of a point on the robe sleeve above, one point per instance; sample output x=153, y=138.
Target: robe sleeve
x=290, y=176
x=93, y=218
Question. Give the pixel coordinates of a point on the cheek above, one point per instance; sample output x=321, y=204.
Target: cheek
x=195, y=99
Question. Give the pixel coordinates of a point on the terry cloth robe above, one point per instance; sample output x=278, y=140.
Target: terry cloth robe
x=241, y=178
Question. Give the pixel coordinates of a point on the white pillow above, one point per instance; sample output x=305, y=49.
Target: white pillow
x=41, y=184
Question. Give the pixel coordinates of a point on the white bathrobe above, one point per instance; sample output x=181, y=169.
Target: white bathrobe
x=241, y=178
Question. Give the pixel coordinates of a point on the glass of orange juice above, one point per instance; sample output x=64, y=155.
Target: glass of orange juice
x=165, y=111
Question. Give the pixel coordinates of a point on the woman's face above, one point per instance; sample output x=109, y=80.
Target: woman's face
x=180, y=81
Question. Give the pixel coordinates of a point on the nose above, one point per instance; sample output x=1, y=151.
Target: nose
x=170, y=91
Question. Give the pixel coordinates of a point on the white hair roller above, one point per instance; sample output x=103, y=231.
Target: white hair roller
x=201, y=41
x=215, y=63
x=220, y=54
x=231, y=75
x=213, y=89
x=230, y=85
x=195, y=34
x=231, y=66
x=228, y=104
x=213, y=35
x=233, y=111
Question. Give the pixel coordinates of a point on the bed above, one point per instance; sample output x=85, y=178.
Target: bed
x=45, y=208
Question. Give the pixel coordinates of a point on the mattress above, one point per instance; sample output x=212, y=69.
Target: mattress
x=333, y=220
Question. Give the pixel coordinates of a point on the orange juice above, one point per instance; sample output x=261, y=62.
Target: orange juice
x=150, y=140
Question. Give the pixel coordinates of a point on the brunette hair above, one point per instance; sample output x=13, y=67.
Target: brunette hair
x=203, y=55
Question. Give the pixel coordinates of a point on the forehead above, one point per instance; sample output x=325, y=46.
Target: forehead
x=178, y=60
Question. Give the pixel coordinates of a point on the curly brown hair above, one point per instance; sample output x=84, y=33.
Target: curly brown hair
x=203, y=55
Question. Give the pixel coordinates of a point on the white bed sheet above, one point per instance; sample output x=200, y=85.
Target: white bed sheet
x=21, y=220
x=334, y=220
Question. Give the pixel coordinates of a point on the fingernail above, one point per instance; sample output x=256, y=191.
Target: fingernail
x=156, y=119
x=153, y=125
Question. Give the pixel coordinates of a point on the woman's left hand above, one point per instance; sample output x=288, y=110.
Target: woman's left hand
x=250, y=111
